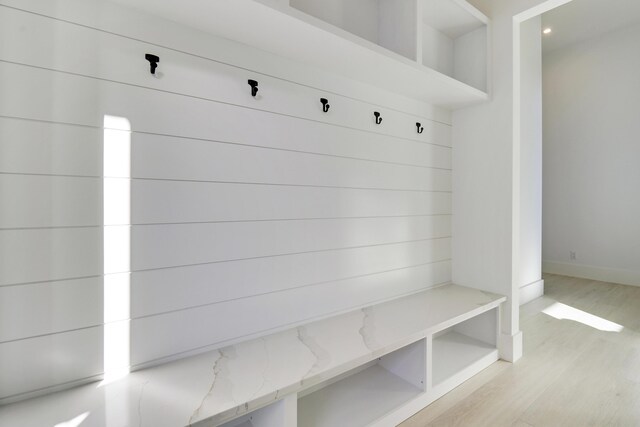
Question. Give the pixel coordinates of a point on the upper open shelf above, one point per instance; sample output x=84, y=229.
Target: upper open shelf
x=380, y=42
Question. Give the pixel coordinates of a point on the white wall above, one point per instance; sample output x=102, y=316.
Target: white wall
x=591, y=153
x=246, y=214
x=530, y=271
x=486, y=139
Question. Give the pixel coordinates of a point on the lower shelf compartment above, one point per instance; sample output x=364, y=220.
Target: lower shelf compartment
x=357, y=400
x=454, y=352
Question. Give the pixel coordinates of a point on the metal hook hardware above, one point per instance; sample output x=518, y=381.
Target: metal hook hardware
x=325, y=104
x=254, y=87
x=153, y=62
x=419, y=127
x=378, y=118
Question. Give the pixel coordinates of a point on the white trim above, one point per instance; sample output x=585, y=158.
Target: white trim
x=510, y=347
x=604, y=274
x=531, y=291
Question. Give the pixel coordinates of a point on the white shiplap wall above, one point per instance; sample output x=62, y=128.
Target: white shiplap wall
x=247, y=214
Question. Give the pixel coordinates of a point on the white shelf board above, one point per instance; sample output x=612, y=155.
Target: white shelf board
x=358, y=400
x=452, y=17
x=454, y=352
x=280, y=29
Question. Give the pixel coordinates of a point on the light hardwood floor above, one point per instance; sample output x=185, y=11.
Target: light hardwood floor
x=572, y=373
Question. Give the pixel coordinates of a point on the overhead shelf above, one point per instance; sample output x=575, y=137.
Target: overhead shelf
x=384, y=58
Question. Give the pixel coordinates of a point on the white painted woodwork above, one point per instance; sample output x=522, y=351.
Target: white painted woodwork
x=67, y=95
x=249, y=378
x=50, y=360
x=155, y=292
x=391, y=25
x=32, y=147
x=167, y=335
x=43, y=254
x=282, y=413
x=185, y=74
x=109, y=17
x=78, y=150
x=453, y=352
x=158, y=246
x=49, y=307
x=187, y=201
x=241, y=208
x=454, y=40
x=49, y=201
x=325, y=45
x=531, y=131
x=171, y=158
x=358, y=400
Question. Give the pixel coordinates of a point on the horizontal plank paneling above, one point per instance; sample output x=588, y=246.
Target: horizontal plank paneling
x=157, y=246
x=58, y=97
x=156, y=156
x=49, y=307
x=35, y=363
x=31, y=201
x=54, y=254
x=47, y=148
x=37, y=36
x=134, y=24
x=249, y=214
x=49, y=201
x=180, y=201
x=158, y=291
x=49, y=254
x=158, y=336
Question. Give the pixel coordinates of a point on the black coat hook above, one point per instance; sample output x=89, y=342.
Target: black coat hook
x=325, y=104
x=420, y=128
x=254, y=87
x=153, y=62
x=378, y=118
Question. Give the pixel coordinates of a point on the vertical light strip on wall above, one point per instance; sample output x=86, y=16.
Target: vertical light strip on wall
x=117, y=252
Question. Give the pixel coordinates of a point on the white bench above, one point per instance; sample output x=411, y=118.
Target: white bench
x=374, y=366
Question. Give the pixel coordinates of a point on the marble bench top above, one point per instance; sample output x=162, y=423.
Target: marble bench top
x=219, y=385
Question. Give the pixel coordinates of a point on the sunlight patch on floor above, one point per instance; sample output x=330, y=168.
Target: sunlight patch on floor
x=564, y=312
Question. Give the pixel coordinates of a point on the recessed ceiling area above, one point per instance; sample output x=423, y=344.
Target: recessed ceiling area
x=581, y=20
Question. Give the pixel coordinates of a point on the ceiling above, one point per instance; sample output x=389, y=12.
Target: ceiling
x=581, y=20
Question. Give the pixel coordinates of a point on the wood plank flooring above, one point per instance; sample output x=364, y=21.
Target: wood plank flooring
x=577, y=370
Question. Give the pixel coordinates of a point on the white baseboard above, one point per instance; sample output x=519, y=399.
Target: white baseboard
x=510, y=347
x=603, y=274
x=531, y=291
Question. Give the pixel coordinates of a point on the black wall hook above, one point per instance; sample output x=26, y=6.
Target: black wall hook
x=420, y=128
x=325, y=104
x=254, y=87
x=153, y=62
x=378, y=118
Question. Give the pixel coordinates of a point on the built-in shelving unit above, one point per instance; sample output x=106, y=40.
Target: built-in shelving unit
x=389, y=24
x=373, y=367
x=458, y=351
x=367, y=395
x=431, y=50
x=454, y=41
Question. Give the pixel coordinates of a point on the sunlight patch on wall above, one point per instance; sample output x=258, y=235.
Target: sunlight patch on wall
x=117, y=246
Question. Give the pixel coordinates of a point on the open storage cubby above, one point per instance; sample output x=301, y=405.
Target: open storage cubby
x=368, y=393
x=278, y=414
x=390, y=24
x=454, y=41
x=464, y=348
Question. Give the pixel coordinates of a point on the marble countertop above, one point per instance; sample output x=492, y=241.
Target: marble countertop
x=219, y=385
